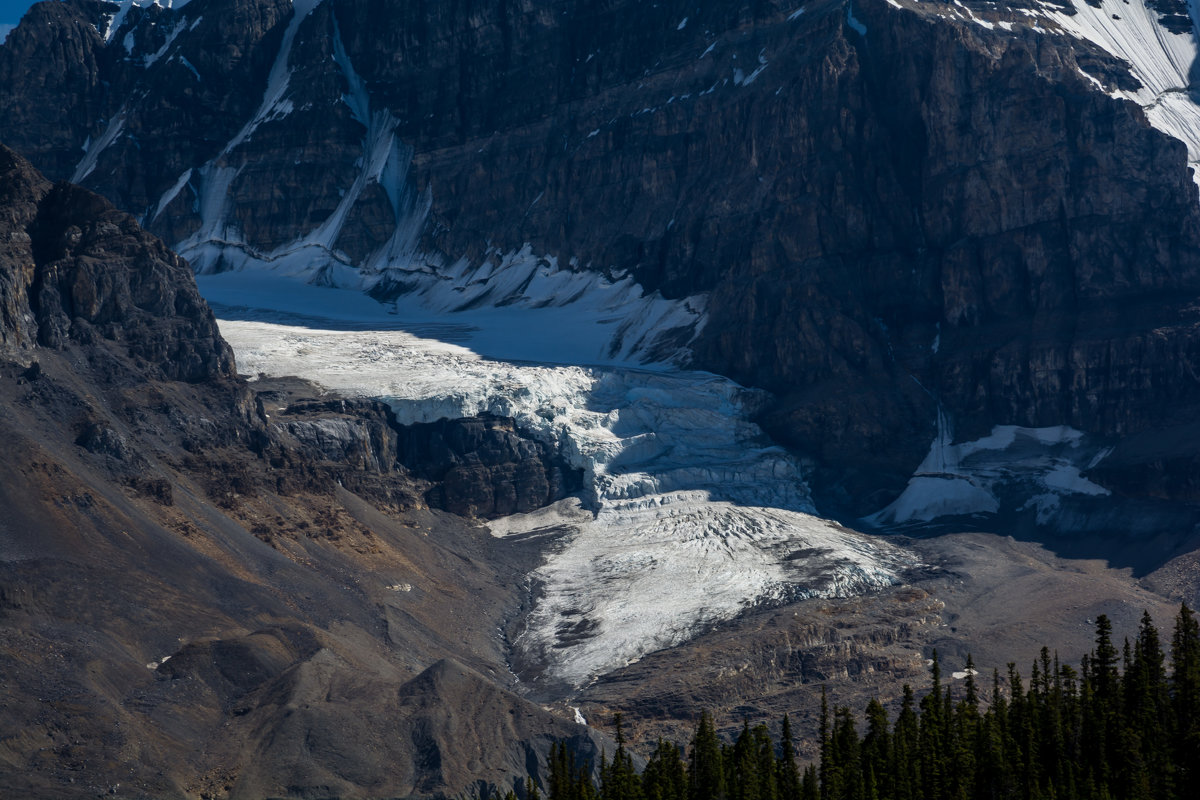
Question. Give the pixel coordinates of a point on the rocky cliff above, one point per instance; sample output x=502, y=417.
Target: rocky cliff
x=889, y=208
x=81, y=271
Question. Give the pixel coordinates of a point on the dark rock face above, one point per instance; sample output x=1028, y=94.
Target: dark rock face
x=845, y=200
x=483, y=467
x=479, y=467
x=78, y=271
x=356, y=432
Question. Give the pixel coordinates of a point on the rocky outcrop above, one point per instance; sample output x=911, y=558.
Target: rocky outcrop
x=483, y=467
x=359, y=433
x=79, y=272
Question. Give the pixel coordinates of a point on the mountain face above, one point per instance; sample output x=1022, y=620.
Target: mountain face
x=876, y=211
x=213, y=588
x=948, y=250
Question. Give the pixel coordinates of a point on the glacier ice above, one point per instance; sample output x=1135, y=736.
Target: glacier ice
x=689, y=514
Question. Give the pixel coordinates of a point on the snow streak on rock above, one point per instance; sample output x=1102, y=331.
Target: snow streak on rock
x=689, y=515
x=1160, y=59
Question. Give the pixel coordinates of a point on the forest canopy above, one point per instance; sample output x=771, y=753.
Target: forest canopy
x=1121, y=726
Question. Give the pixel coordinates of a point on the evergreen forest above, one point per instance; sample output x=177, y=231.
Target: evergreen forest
x=1125, y=725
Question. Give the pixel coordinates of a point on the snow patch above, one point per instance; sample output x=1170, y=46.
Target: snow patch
x=88, y=163
x=976, y=477
x=277, y=79
x=170, y=194
x=113, y=23
x=183, y=60
x=740, y=78
x=1159, y=59
x=149, y=60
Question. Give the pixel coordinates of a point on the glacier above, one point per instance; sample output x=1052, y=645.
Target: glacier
x=689, y=514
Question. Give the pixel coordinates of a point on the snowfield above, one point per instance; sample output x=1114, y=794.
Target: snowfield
x=689, y=515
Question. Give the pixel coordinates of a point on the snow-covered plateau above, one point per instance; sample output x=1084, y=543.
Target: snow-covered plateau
x=689, y=514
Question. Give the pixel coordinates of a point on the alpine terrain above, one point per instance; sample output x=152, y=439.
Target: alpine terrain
x=393, y=389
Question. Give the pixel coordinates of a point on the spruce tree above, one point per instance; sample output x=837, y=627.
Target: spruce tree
x=905, y=750
x=706, y=772
x=768, y=787
x=665, y=776
x=877, y=753
x=1185, y=696
x=743, y=779
x=827, y=763
x=620, y=780
x=787, y=774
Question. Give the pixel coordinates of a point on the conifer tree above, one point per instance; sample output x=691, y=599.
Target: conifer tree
x=932, y=739
x=877, y=753
x=827, y=763
x=743, y=783
x=665, y=776
x=906, y=749
x=620, y=780
x=706, y=772
x=847, y=778
x=809, y=789
x=1185, y=699
x=768, y=787
x=787, y=774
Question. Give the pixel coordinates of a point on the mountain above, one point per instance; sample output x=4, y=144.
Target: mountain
x=879, y=212
x=579, y=341
x=208, y=588
x=955, y=210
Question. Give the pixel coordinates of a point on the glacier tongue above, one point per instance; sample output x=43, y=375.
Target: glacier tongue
x=689, y=515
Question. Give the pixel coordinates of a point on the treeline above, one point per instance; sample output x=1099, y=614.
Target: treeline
x=1121, y=727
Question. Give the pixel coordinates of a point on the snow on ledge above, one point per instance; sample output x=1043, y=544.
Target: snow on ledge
x=971, y=477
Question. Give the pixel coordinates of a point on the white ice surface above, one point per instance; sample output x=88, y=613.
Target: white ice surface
x=688, y=515
x=971, y=477
x=560, y=316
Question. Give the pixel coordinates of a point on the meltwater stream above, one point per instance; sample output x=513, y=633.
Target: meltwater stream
x=689, y=514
